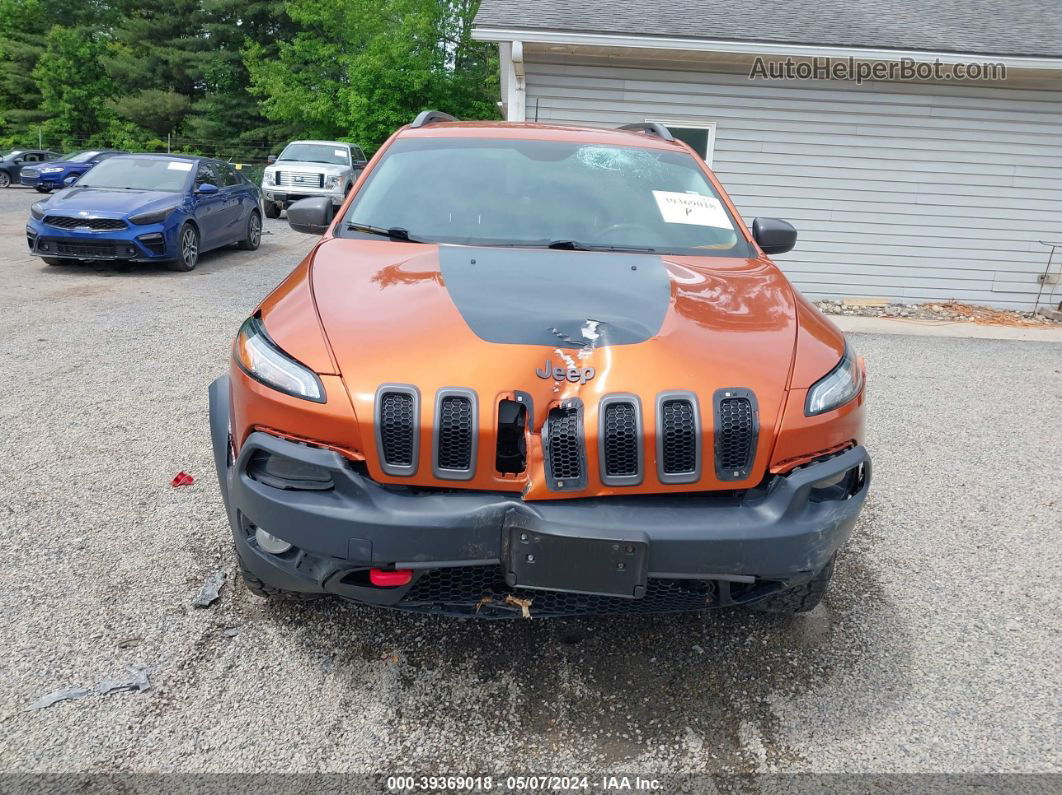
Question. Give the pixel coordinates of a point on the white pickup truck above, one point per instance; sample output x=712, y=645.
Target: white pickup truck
x=310, y=168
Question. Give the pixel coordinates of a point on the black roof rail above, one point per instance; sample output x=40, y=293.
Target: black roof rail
x=651, y=128
x=429, y=116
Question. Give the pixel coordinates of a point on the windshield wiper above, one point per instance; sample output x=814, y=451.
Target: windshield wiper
x=574, y=245
x=394, y=232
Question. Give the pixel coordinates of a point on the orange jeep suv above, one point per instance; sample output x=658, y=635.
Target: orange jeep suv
x=537, y=370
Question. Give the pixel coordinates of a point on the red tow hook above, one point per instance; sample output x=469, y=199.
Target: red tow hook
x=390, y=578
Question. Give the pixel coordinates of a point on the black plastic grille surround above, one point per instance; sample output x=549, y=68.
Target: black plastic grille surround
x=564, y=448
x=91, y=248
x=99, y=224
x=455, y=433
x=621, y=439
x=679, y=437
x=734, y=446
x=482, y=590
x=397, y=428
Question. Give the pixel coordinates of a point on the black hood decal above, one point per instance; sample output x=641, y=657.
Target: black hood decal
x=563, y=299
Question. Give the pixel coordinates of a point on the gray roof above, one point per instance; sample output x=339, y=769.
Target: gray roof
x=991, y=27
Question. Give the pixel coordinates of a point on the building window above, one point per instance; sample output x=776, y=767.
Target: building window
x=699, y=135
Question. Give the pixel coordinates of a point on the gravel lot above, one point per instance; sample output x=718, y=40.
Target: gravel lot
x=937, y=649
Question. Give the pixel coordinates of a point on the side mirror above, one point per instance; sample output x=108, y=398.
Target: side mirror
x=271, y=159
x=206, y=189
x=311, y=216
x=774, y=235
x=70, y=181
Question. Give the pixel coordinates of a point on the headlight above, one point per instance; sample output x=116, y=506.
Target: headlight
x=261, y=359
x=837, y=387
x=332, y=182
x=37, y=210
x=50, y=170
x=269, y=177
x=153, y=217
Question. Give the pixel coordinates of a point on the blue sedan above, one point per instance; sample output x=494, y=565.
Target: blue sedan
x=52, y=175
x=148, y=208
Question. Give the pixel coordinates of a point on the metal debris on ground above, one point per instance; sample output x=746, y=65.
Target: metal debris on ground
x=523, y=604
x=182, y=479
x=135, y=678
x=945, y=311
x=231, y=632
x=66, y=694
x=208, y=594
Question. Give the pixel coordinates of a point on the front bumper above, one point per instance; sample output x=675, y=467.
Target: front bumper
x=41, y=181
x=286, y=196
x=704, y=549
x=147, y=243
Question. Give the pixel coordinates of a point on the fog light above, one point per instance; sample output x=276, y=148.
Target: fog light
x=270, y=543
x=833, y=480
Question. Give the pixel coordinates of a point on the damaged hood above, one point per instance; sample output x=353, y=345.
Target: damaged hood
x=555, y=325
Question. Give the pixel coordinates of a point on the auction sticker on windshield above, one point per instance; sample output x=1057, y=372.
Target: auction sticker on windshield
x=177, y=165
x=691, y=208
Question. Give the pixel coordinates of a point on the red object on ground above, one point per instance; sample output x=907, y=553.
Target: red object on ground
x=390, y=578
x=182, y=479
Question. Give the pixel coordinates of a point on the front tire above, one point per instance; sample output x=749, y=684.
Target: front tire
x=272, y=210
x=260, y=589
x=39, y=189
x=801, y=599
x=187, y=249
x=5, y=179
x=254, y=233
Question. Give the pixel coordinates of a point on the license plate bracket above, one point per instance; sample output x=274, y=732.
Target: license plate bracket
x=567, y=562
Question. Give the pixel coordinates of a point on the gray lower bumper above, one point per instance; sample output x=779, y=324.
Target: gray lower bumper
x=784, y=532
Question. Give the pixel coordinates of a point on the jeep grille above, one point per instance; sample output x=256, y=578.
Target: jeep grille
x=396, y=425
x=736, y=432
x=621, y=440
x=564, y=448
x=456, y=423
x=679, y=438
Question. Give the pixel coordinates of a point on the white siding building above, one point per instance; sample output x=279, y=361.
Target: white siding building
x=908, y=191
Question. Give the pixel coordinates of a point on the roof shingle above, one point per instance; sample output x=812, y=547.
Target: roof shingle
x=989, y=27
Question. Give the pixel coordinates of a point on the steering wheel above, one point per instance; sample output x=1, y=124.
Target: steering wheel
x=608, y=230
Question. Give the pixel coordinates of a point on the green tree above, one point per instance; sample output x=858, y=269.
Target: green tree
x=73, y=87
x=156, y=59
x=24, y=29
x=361, y=68
x=228, y=118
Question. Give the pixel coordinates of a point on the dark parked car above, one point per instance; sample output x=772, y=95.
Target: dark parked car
x=147, y=208
x=52, y=174
x=12, y=163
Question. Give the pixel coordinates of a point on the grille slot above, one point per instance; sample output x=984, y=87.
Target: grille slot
x=565, y=460
x=481, y=591
x=93, y=249
x=96, y=224
x=300, y=179
x=678, y=437
x=736, y=433
x=456, y=431
x=397, y=414
x=620, y=440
